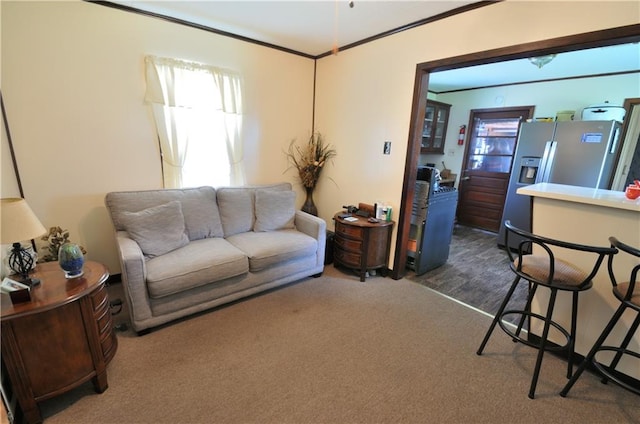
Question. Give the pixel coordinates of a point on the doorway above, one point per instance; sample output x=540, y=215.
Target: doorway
x=487, y=164
x=601, y=38
x=628, y=169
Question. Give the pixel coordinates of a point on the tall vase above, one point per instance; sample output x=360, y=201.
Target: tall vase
x=309, y=207
x=71, y=260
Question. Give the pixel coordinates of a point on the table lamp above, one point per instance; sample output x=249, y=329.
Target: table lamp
x=19, y=223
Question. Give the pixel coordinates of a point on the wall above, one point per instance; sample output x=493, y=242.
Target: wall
x=73, y=86
x=365, y=93
x=548, y=98
x=73, y=83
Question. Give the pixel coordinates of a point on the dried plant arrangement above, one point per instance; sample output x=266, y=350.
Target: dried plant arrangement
x=310, y=159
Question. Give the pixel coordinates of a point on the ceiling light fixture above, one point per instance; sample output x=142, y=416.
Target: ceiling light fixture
x=540, y=61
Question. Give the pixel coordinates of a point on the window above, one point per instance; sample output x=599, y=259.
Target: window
x=198, y=115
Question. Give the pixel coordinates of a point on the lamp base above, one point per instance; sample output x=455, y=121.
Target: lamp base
x=31, y=282
x=21, y=262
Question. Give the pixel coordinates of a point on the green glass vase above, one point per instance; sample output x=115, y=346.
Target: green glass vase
x=71, y=260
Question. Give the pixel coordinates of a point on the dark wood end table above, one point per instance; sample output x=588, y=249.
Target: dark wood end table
x=60, y=339
x=362, y=245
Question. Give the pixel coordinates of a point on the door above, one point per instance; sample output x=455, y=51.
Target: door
x=487, y=165
x=585, y=153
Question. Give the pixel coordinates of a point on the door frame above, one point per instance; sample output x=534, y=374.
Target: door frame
x=625, y=138
x=608, y=37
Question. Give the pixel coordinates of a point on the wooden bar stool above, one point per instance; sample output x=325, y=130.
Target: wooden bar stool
x=628, y=293
x=543, y=268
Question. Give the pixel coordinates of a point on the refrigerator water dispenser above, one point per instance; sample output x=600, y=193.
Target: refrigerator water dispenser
x=529, y=170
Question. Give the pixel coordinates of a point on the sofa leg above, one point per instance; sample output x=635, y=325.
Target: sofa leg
x=318, y=275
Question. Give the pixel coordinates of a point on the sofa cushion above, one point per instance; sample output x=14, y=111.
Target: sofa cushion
x=275, y=210
x=157, y=230
x=265, y=249
x=201, y=216
x=200, y=262
x=236, y=210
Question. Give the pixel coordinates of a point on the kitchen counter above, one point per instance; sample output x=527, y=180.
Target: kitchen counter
x=587, y=216
x=590, y=196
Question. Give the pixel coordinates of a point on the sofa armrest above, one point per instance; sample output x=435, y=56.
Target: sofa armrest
x=134, y=277
x=314, y=227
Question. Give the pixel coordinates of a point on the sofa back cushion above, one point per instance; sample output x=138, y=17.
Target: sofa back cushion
x=236, y=205
x=275, y=210
x=158, y=229
x=236, y=210
x=199, y=207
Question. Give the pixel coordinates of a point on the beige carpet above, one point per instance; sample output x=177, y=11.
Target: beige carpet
x=334, y=350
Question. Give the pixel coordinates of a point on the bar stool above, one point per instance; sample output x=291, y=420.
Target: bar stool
x=628, y=293
x=543, y=268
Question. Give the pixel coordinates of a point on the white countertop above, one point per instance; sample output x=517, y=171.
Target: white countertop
x=591, y=196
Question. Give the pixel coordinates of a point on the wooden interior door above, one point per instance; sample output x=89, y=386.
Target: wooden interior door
x=487, y=164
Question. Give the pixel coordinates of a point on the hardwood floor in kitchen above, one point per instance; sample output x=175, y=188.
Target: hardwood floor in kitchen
x=477, y=272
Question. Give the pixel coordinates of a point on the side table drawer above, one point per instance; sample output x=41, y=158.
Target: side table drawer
x=347, y=258
x=352, y=245
x=100, y=299
x=349, y=231
x=104, y=322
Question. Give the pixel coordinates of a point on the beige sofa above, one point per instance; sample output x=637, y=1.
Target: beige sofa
x=183, y=251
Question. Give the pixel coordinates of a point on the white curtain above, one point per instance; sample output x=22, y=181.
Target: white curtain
x=183, y=96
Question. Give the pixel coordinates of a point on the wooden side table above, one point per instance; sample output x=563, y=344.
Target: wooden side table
x=361, y=244
x=60, y=339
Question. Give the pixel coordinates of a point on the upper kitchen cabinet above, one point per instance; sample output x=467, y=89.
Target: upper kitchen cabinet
x=436, y=118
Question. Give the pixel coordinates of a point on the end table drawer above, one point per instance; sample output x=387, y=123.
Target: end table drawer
x=109, y=342
x=353, y=245
x=100, y=299
x=104, y=321
x=349, y=231
x=347, y=258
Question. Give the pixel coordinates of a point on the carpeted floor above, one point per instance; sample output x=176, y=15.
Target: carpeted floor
x=477, y=272
x=335, y=350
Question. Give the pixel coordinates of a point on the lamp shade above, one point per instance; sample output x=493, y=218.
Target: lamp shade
x=18, y=221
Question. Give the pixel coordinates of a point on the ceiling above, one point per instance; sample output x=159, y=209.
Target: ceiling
x=308, y=27
x=313, y=28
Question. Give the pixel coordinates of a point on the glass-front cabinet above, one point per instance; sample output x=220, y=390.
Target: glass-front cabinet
x=436, y=119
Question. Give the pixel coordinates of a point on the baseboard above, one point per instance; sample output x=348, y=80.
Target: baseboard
x=579, y=359
x=114, y=279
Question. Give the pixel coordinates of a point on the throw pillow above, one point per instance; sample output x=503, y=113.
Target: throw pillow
x=157, y=230
x=236, y=210
x=275, y=210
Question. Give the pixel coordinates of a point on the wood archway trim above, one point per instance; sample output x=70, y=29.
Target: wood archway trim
x=608, y=37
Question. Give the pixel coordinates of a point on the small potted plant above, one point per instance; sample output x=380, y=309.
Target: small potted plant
x=55, y=238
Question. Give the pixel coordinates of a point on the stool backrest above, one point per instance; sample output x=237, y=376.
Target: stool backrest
x=617, y=244
x=529, y=240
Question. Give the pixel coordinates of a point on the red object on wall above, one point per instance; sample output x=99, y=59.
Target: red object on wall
x=463, y=128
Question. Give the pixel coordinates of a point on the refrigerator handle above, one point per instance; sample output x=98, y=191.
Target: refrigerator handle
x=614, y=144
x=547, y=160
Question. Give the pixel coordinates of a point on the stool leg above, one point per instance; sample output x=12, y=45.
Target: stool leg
x=624, y=345
x=572, y=334
x=587, y=360
x=527, y=307
x=498, y=315
x=543, y=342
